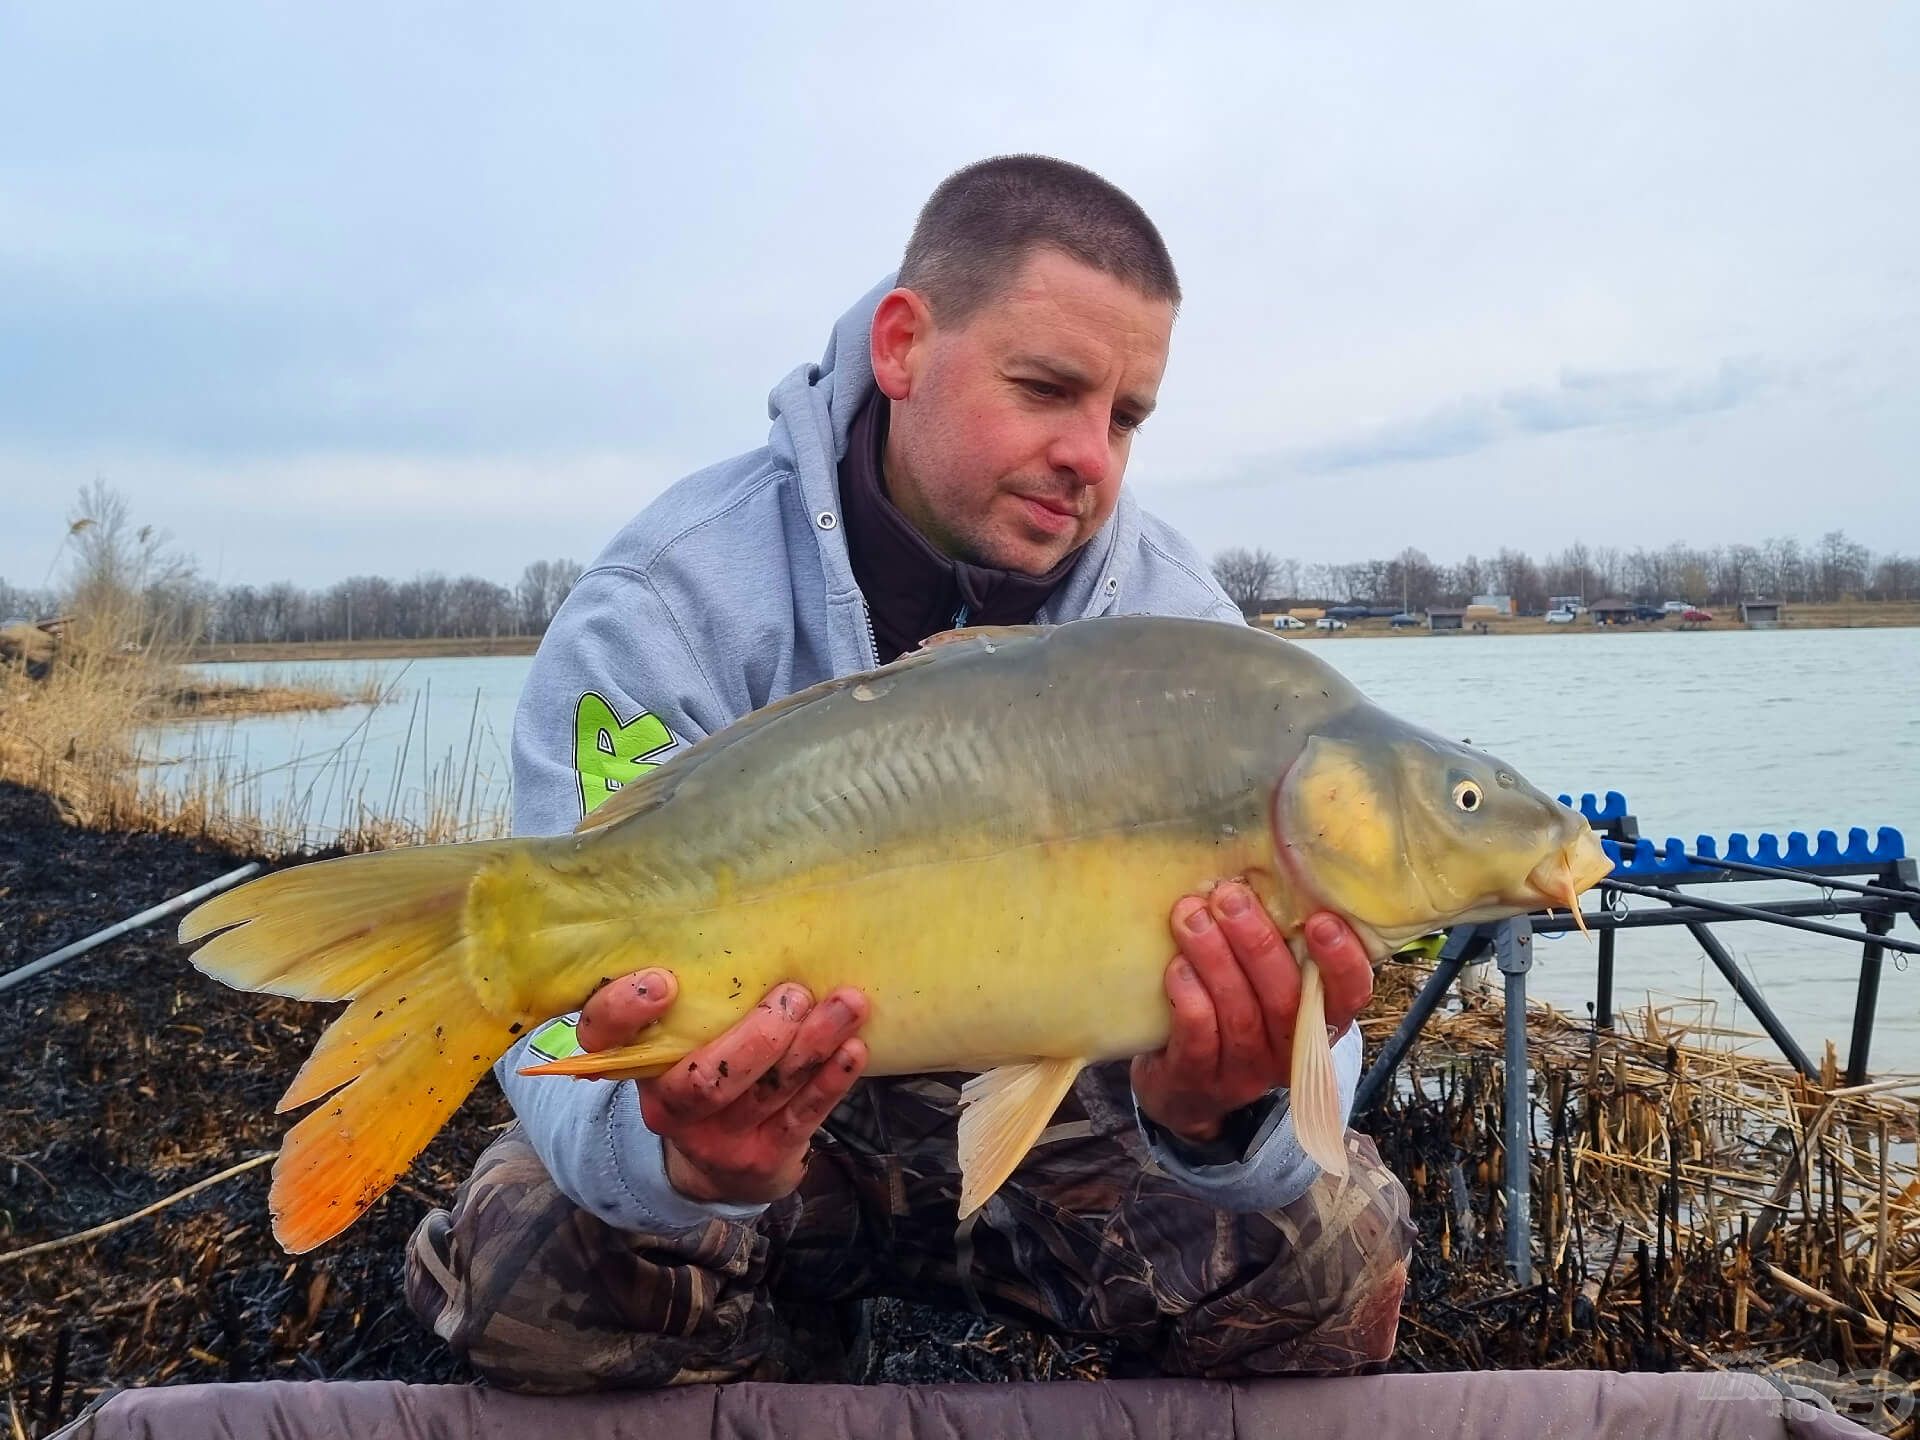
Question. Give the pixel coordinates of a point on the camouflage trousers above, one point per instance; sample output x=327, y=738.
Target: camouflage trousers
x=1088, y=1238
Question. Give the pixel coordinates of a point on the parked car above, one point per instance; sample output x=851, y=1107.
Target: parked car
x=1675, y=607
x=1403, y=620
x=1697, y=616
x=1327, y=622
x=1644, y=611
x=1288, y=622
x=1559, y=617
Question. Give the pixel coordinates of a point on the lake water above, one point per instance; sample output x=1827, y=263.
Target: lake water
x=1702, y=732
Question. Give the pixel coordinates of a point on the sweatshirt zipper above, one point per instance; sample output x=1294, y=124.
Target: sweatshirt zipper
x=960, y=618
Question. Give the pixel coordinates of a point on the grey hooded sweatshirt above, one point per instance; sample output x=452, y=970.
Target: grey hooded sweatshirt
x=732, y=590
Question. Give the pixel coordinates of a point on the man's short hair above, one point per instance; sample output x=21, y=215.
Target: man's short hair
x=977, y=229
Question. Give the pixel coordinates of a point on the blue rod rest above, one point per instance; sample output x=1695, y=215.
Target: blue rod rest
x=1668, y=857
x=1600, y=811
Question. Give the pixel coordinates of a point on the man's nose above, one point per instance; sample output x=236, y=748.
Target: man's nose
x=1084, y=446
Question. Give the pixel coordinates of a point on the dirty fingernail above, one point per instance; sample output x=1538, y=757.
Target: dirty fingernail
x=1234, y=900
x=1199, y=921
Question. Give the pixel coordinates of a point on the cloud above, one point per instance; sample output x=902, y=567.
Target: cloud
x=326, y=291
x=313, y=517
x=1578, y=400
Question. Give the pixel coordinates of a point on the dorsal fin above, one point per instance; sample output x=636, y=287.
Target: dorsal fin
x=987, y=633
x=653, y=788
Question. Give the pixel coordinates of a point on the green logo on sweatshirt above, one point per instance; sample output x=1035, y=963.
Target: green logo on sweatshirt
x=558, y=1039
x=609, y=753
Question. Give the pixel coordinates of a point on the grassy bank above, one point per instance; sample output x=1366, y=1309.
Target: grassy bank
x=1847, y=615
x=74, y=732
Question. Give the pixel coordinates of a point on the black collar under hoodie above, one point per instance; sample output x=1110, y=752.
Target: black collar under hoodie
x=912, y=589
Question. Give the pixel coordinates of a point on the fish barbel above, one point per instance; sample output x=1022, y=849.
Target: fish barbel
x=986, y=837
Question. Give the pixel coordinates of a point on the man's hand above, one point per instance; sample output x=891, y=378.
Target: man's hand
x=1235, y=988
x=737, y=1115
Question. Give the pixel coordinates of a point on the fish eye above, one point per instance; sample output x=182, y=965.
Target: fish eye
x=1467, y=796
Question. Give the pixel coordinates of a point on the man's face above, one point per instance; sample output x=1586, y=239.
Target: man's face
x=1009, y=434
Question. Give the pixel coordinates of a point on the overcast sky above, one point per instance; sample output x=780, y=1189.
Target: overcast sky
x=341, y=289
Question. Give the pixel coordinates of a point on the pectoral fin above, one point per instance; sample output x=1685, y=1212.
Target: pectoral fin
x=1313, y=1093
x=640, y=1061
x=1001, y=1114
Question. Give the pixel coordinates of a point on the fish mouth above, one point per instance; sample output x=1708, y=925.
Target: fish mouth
x=1576, y=866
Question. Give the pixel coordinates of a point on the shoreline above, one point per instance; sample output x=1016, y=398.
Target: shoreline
x=1848, y=615
x=1854, y=615
x=441, y=647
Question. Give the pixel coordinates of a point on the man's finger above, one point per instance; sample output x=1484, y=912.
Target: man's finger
x=793, y=1124
x=1264, y=958
x=619, y=1010
x=1193, y=1044
x=725, y=1068
x=1345, y=970
x=1204, y=944
x=832, y=1022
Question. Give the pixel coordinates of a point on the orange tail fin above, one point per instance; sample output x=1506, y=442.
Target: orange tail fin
x=391, y=932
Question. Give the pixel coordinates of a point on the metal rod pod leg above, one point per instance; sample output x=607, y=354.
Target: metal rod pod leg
x=1513, y=952
x=1375, y=1081
x=1603, y=984
x=1866, y=998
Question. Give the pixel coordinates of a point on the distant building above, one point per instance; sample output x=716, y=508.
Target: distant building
x=1611, y=611
x=1446, y=619
x=1760, y=614
x=1492, y=604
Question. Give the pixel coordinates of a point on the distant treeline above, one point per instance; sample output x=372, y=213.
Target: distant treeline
x=130, y=570
x=1834, y=568
x=364, y=607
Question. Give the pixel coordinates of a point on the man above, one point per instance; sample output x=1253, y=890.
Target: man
x=956, y=459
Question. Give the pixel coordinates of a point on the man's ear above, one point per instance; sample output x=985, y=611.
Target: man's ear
x=902, y=325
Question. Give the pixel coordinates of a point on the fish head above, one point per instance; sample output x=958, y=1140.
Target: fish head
x=1404, y=832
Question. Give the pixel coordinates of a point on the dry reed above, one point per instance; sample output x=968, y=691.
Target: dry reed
x=85, y=727
x=1699, y=1204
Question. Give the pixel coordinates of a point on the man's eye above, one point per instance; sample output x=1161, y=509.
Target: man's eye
x=1127, y=422
x=1044, y=389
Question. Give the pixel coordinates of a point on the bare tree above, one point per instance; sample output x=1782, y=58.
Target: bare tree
x=129, y=589
x=1412, y=579
x=1843, y=566
x=1246, y=575
x=16, y=603
x=1288, y=581
x=1896, y=577
x=544, y=585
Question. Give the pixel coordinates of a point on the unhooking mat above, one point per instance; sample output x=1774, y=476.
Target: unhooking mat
x=1508, y=1405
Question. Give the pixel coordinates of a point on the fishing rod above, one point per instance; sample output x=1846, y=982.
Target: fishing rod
x=121, y=927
